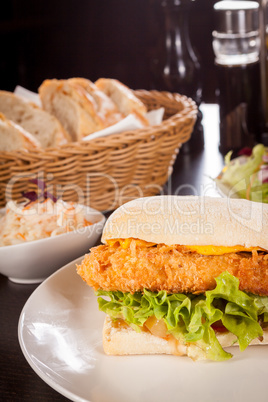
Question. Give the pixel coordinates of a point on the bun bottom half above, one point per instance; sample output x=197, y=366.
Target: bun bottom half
x=123, y=340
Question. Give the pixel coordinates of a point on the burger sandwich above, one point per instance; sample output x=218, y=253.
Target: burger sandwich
x=182, y=275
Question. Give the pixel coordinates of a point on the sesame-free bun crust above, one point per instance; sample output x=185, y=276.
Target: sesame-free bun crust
x=191, y=220
x=126, y=341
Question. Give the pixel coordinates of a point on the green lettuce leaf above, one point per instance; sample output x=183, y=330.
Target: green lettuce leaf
x=240, y=314
x=189, y=318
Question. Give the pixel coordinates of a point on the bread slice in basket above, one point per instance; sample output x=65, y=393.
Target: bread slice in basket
x=124, y=98
x=14, y=137
x=79, y=105
x=105, y=106
x=47, y=130
x=84, y=107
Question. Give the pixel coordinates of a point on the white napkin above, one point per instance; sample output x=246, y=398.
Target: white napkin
x=155, y=116
x=28, y=95
x=128, y=123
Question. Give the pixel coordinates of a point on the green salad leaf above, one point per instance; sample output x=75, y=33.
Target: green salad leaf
x=190, y=318
x=241, y=175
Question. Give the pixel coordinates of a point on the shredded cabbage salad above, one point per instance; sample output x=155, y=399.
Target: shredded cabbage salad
x=37, y=220
x=247, y=176
x=190, y=318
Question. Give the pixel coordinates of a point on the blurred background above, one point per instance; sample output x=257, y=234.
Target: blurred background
x=95, y=38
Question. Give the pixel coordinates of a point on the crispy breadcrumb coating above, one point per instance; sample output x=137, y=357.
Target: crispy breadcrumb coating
x=171, y=268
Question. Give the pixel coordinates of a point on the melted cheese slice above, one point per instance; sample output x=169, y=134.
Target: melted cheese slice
x=204, y=250
x=125, y=243
x=219, y=250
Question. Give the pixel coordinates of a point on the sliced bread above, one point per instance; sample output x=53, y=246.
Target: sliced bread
x=79, y=105
x=123, y=97
x=14, y=137
x=104, y=106
x=41, y=124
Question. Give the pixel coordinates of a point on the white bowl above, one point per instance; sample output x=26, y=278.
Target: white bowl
x=32, y=262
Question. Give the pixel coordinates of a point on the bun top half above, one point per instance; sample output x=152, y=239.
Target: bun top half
x=191, y=220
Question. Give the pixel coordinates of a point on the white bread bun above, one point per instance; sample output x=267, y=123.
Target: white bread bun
x=14, y=137
x=124, y=98
x=42, y=125
x=126, y=341
x=79, y=105
x=191, y=220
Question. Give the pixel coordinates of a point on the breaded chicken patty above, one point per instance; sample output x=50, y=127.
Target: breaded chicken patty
x=171, y=268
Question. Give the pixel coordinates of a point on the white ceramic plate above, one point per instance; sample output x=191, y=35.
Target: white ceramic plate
x=60, y=331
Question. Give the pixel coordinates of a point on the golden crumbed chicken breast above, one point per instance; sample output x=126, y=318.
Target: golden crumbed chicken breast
x=171, y=268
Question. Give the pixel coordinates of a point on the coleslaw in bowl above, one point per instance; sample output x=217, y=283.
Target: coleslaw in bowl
x=37, y=238
x=38, y=220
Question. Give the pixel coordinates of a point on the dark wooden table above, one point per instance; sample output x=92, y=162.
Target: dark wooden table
x=18, y=382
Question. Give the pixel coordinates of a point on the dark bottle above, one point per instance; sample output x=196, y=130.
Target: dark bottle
x=240, y=106
x=179, y=70
x=236, y=44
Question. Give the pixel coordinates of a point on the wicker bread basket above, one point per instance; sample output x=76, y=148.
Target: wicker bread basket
x=109, y=171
